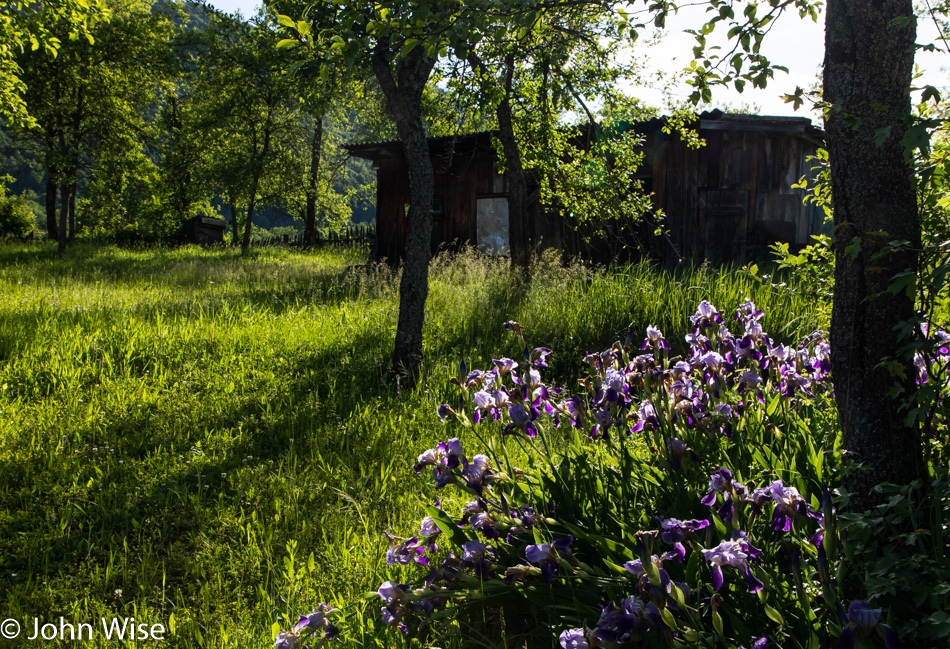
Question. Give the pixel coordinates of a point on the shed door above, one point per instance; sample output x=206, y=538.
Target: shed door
x=726, y=226
x=491, y=227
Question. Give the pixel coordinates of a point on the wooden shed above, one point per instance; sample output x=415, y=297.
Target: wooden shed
x=723, y=202
x=204, y=230
x=470, y=204
x=729, y=199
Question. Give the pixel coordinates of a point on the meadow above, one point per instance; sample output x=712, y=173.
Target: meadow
x=209, y=440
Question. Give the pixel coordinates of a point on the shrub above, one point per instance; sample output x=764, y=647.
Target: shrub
x=16, y=218
x=663, y=501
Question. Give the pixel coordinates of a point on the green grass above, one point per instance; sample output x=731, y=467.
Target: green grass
x=212, y=435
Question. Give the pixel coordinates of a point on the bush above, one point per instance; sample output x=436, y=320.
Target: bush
x=16, y=218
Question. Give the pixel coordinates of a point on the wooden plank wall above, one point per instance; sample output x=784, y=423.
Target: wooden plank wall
x=731, y=198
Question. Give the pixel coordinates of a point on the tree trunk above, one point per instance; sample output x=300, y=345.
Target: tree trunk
x=517, y=184
x=867, y=76
x=403, y=92
x=255, y=184
x=234, y=220
x=246, y=242
x=72, y=212
x=51, y=189
x=63, y=218
x=310, y=222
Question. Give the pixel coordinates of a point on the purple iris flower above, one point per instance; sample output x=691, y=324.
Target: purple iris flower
x=647, y=417
x=618, y=623
x=546, y=555
x=859, y=622
x=788, y=504
x=748, y=310
x=444, y=411
x=405, y=553
x=395, y=603
x=749, y=379
x=504, y=365
x=733, y=493
x=475, y=473
x=680, y=370
x=712, y=361
x=654, y=338
x=428, y=527
x=679, y=451
x=753, y=329
x=706, y=316
x=734, y=553
x=573, y=639
x=674, y=531
x=521, y=419
x=539, y=356
x=482, y=522
x=475, y=554
x=513, y=327
x=451, y=452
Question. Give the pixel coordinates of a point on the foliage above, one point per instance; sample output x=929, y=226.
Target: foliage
x=17, y=219
x=34, y=26
x=903, y=547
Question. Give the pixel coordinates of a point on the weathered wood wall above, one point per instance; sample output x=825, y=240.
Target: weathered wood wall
x=723, y=202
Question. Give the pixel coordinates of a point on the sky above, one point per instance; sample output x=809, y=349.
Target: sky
x=794, y=43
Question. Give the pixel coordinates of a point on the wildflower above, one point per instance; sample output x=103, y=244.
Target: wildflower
x=405, y=553
x=706, y=316
x=859, y=622
x=428, y=527
x=733, y=491
x=474, y=554
x=514, y=327
x=522, y=419
x=678, y=451
x=476, y=472
x=788, y=504
x=444, y=411
x=573, y=639
x=617, y=623
x=654, y=338
x=482, y=522
x=396, y=604
x=734, y=553
x=504, y=365
x=674, y=531
x=538, y=356
x=546, y=555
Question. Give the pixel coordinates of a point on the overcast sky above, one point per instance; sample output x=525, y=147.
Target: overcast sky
x=796, y=44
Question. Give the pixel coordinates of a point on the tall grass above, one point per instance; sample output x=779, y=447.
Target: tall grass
x=207, y=440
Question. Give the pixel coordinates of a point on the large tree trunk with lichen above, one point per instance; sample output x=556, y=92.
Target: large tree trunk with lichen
x=402, y=86
x=869, y=59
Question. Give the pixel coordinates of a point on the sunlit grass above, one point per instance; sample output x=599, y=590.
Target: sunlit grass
x=194, y=436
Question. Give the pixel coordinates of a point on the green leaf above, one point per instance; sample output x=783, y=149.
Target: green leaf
x=286, y=21
x=774, y=615
x=447, y=525
x=287, y=42
x=881, y=135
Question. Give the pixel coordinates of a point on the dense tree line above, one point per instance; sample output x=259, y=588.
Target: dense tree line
x=162, y=112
